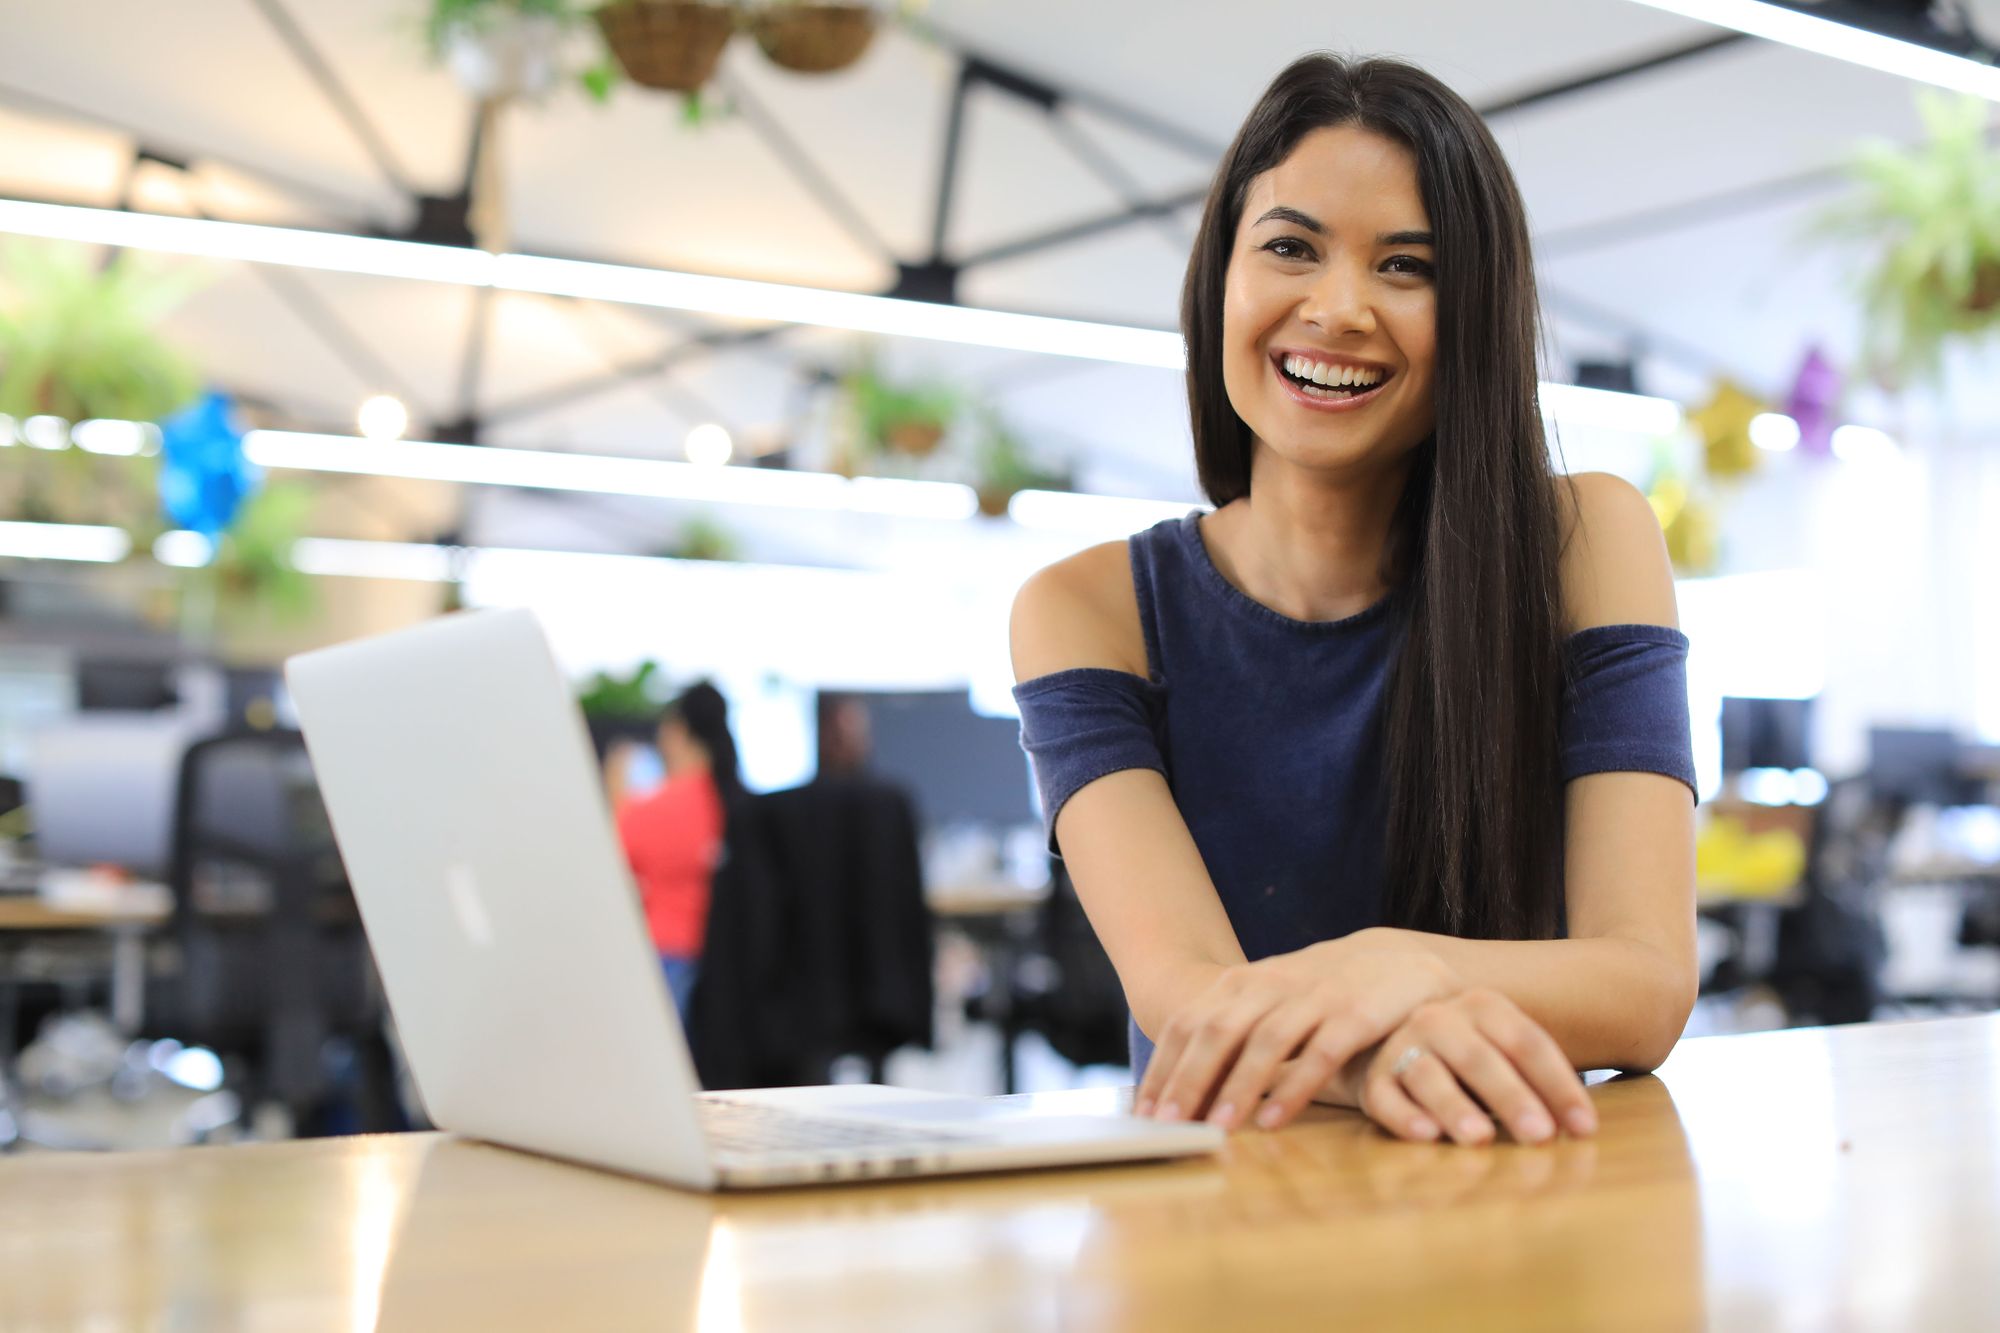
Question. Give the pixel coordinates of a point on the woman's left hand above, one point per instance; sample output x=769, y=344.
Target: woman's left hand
x=1459, y=1064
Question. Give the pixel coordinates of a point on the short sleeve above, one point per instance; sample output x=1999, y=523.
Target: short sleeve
x=1625, y=703
x=1082, y=724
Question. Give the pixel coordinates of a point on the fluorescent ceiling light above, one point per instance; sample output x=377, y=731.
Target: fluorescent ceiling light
x=339, y=556
x=1864, y=444
x=739, y=298
x=1068, y=511
x=1774, y=431
x=601, y=473
x=64, y=541
x=120, y=439
x=1827, y=37
x=1573, y=405
x=183, y=549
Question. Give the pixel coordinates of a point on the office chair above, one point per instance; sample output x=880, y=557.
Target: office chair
x=273, y=962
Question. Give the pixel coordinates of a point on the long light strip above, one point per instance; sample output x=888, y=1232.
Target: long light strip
x=1826, y=37
x=1571, y=405
x=64, y=541
x=739, y=298
x=1068, y=511
x=604, y=474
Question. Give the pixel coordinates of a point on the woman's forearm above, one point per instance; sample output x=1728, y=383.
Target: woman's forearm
x=1609, y=1002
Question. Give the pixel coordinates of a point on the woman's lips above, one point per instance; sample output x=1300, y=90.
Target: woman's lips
x=1349, y=403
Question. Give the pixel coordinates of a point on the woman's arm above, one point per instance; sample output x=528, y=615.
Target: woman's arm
x=1137, y=871
x=1617, y=992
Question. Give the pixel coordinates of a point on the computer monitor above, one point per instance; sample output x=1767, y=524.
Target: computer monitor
x=1766, y=733
x=957, y=765
x=121, y=685
x=101, y=789
x=1914, y=764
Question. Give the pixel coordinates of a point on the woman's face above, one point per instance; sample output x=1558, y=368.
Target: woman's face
x=1333, y=274
x=677, y=744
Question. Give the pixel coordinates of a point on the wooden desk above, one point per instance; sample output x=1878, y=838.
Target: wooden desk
x=125, y=913
x=1834, y=1178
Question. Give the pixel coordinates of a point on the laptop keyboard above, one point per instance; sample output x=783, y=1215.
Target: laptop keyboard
x=750, y=1127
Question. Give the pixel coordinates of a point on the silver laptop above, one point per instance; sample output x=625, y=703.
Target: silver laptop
x=464, y=796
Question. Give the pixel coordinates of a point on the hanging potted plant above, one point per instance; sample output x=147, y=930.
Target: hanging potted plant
x=672, y=45
x=1932, y=215
x=78, y=342
x=624, y=707
x=813, y=37
x=909, y=419
x=1005, y=468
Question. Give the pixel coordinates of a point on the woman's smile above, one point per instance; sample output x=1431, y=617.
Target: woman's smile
x=1321, y=383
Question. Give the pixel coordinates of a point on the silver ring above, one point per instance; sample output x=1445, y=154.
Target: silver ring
x=1405, y=1060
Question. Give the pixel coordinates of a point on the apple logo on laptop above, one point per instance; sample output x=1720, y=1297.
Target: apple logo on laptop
x=461, y=890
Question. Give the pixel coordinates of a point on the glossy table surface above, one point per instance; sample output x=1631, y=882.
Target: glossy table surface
x=1831, y=1178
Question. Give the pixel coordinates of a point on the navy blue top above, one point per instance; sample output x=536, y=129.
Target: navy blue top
x=1269, y=733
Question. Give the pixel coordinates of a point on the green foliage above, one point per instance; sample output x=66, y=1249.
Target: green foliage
x=598, y=79
x=448, y=16
x=880, y=405
x=78, y=341
x=1932, y=216
x=1005, y=465
x=251, y=576
x=704, y=539
x=71, y=486
x=640, y=695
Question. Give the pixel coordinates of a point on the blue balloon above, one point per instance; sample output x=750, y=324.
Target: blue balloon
x=204, y=478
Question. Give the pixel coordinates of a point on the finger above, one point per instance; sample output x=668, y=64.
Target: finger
x=1277, y=1035
x=1548, y=1071
x=1490, y=1076
x=1338, y=1039
x=1207, y=1055
x=1432, y=1085
x=1385, y=1102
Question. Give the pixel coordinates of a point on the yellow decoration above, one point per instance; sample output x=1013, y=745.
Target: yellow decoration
x=1693, y=537
x=1724, y=426
x=1731, y=862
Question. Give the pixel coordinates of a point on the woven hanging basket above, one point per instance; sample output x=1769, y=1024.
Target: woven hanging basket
x=671, y=45
x=916, y=438
x=811, y=38
x=1985, y=298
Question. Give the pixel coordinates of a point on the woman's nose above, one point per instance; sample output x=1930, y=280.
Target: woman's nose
x=1338, y=302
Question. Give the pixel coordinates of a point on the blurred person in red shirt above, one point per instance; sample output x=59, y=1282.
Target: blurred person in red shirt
x=673, y=834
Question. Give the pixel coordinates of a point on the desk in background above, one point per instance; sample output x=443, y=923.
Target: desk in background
x=1843, y=1177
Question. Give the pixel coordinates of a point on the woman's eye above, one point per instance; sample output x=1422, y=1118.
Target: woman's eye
x=1409, y=264
x=1287, y=248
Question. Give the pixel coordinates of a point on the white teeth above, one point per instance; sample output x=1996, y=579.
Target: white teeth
x=1331, y=375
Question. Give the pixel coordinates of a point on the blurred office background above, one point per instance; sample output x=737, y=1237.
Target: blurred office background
x=264, y=386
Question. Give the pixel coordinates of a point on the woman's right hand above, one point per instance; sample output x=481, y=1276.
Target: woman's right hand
x=1263, y=1039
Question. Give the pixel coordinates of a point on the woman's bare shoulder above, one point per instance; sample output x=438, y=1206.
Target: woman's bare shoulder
x=1614, y=559
x=1081, y=611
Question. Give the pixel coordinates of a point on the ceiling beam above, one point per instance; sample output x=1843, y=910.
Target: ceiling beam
x=321, y=71
x=1612, y=74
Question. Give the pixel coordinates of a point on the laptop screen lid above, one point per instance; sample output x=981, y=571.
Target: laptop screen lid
x=465, y=798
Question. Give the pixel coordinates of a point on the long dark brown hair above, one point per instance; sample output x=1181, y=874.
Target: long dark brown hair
x=1473, y=843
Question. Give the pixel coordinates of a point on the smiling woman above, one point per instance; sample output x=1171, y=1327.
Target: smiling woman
x=1374, y=781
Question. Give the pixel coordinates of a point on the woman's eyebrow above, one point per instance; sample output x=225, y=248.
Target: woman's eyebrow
x=1286, y=213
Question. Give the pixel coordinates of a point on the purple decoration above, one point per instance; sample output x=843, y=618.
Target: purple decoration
x=1815, y=393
